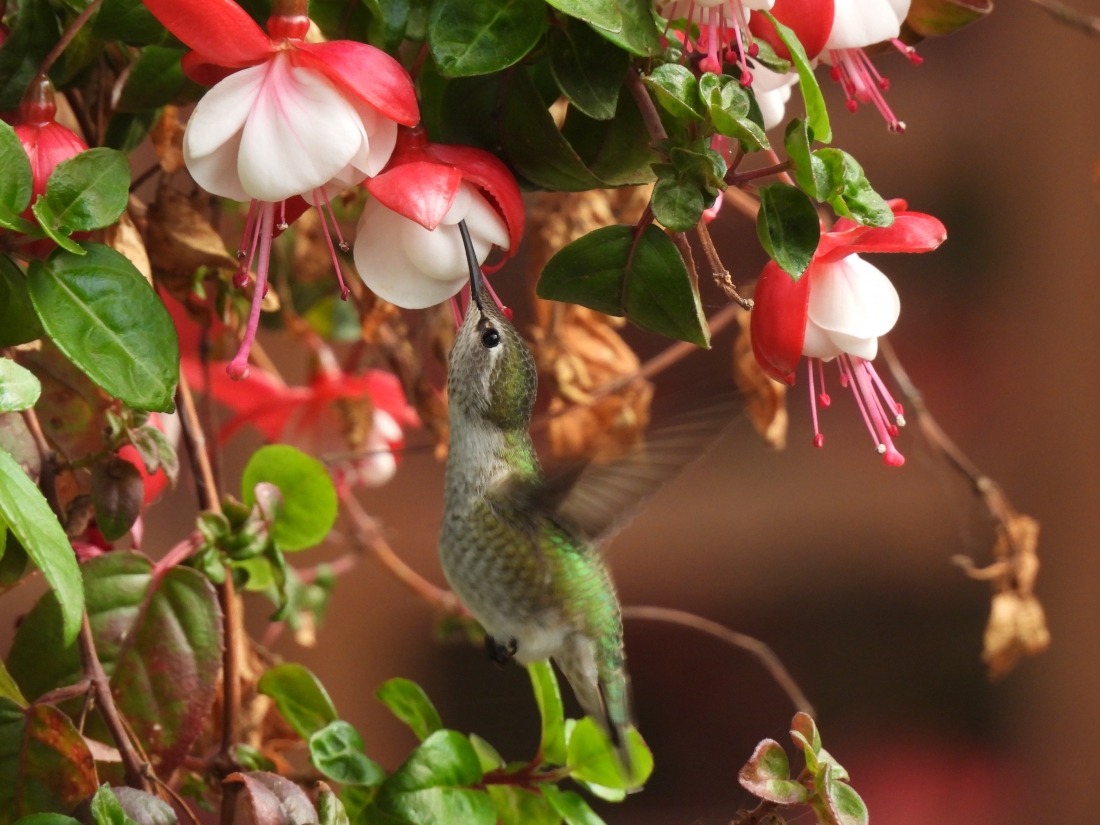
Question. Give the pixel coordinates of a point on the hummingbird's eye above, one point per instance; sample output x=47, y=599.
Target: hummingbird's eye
x=490, y=338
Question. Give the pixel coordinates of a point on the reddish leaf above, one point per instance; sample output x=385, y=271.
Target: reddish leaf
x=273, y=800
x=117, y=493
x=767, y=774
x=44, y=763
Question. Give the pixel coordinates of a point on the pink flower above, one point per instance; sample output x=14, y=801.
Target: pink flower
x=286, y=118
x=856, y=25
x=408, y=248
x=838, y=310
x=723, y=31
x=45, y=141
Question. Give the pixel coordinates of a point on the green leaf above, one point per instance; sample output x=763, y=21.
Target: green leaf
x=602, y=791
x=841, y=182
x=330, y=810
x=47, y=819
x=159, y=639
x=9, y=688
x=593, y=759
x=677, y=90
x=338, y=752
x=50, y=226
x=299, y=696
x=30, y=519
x=645, y=279
x=15, y=172
x=767, y=775
x=428, y=789
x=309, y=497
x=678, y=205
x=788, y=227
x=249, y=758
x=548, y=696
x=19, y=389
x=125, y=132
x=388, y=22
x=118, y=493
x=637, y=30
x=409, y=703
x=155, y=80
x=570, y=805
x=89, y=191
x=102, y=313
x=478, y=38
x=130, y=22
x=729, y=105
x=144, y=808
x=106, y=809
x=616, y=151
x=797, y=140
x=18, y=321
x=816, y=112
x=603, y=14
x=767, y=57
x=847, y=806
x=518, y=806
x=487, y=755
x=589, y=70
x=44, y=763
x=35, y=32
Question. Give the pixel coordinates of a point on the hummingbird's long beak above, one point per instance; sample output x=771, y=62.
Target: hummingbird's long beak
x=471, y=262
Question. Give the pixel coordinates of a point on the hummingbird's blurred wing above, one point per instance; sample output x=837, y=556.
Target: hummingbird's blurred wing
x=599, y=499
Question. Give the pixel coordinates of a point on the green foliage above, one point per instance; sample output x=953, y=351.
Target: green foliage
x=19, y=389
x=548, y=696
x=411, y=705
x=816, y=112
x=28, y=516
x=588, y=69
x=619, y=271
x=156, y=79
x=33, y=35
x=15, y=176
x=300, y=698
x=487, y=36
x=131, y=22
x=729, y=106
x=788, y=227
x=18, y=321
x=101, y=312
x=88, y=191
x=592, y=758
x=308, y=508
x=338, y=752
x=106, y=809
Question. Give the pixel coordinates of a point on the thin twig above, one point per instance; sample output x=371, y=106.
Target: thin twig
x=48, y=474
x=722, y=276
x=1087, y=23
x=367, y=533
x=196, y=448
x=70, y=33
x=93, y=672
x=735, y=178
x=754, y=646
x=63, y=694
x=650, y=116
x=179, y=800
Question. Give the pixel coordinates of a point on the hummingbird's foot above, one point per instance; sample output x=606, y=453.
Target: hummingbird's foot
x=500, y=654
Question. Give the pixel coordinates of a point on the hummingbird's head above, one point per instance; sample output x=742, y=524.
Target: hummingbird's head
x=492, y=374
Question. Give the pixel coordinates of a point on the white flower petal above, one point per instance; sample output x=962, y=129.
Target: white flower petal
x=854, y=298
x=859, y=23
x=765, y=80
x=773, y=106
x=863, y=347
x=385, y=267
x=485, y=223
x=300, y=133
x=437, y=253
x=818, y=343
x=382, y=140
x=216, y=172
x=459, y=206
x=222, y=111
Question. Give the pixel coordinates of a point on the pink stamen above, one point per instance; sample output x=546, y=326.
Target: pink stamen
x=238, y=367
x=248, y=221
x=711, y=63
x=335, y=224
x=899, y=410
x=241, y=277
x=282, y=216
x=862, y=83
x=908, y=51
x=819, y=439
x=492, y=294
x=865, y=395
x=331, y=250
x=824, y=398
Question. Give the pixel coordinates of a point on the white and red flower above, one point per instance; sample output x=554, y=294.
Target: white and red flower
x=724, y=35
x=285, y=118
x=838, y=310
x=408, y=247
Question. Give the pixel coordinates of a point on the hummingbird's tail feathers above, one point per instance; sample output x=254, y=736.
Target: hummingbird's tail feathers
x=616, y=720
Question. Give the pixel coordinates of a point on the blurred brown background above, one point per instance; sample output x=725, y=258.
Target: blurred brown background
x=837, y=562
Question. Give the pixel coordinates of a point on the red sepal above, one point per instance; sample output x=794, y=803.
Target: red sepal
x=811, y=21
x=420, y=190
x=910, y=232
x=46, y=145
x=778, y=321
x=220, y=29
x=204, y=70
x=364, y=72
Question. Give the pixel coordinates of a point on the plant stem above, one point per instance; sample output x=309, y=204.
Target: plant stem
x=93, y=672
x=1087, y=23
x=734, y=178
x=650, y=116
x=196, y=448
x=754, y=646
x=47, y=480
x=721, y=274
x=70, y=33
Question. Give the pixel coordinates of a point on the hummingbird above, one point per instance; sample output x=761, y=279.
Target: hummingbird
x=520, y=547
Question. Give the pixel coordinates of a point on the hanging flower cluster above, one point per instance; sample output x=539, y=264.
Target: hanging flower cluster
x=837, y=311
x=290, y=123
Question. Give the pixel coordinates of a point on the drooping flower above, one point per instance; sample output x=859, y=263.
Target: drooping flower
x=811, y=21
x=287, y=119
x=408, y=247
x=837, y=311
x=724, y=35
x=856, y=25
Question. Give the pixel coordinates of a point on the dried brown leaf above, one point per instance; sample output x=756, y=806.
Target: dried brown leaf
x=180, y=239
x=312, y=260
x=765, y=398
x=1017, y=628
x=167, y=138
x=124, y=237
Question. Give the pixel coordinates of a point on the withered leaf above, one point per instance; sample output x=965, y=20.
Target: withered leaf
x=180, y=239
x=167, y=138
x=765, y=398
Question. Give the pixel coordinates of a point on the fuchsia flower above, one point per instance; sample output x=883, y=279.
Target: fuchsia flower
x=856, y=25
x=45, y=141
x=811, y=21
x=408, y=248
x=286, y=119
x=724, y=34
x=837, y=310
